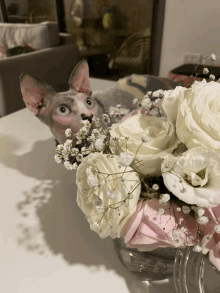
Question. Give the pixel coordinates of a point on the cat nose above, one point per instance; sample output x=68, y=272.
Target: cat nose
x=84, y=117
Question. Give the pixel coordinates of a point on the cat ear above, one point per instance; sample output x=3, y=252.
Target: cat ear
x=35, y=92
x=79, y=79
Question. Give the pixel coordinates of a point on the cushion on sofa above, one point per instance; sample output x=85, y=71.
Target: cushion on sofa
x=39, y=36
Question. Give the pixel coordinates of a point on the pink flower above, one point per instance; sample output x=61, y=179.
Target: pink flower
x=211, y=240
x=148, y=229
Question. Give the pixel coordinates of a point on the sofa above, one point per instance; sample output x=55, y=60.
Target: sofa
x=52, y=59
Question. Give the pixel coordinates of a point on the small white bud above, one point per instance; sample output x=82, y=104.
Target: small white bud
x=58, y=158
x=155, y=186
x=211, y=77
x=59, y=148
x=202, y=220
x=205, y=70
x=99, y=144
x=68, y=132
x=165, y=197
x=144, y=138
x=135, y=101
x=217, y=228
x=176, y=234
x=213, y=57
x=186, y=210
x=197, y=248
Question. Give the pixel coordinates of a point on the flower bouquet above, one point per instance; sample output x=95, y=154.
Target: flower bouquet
x=153, y=179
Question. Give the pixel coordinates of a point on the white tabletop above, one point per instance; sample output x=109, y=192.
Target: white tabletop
x=46, y=244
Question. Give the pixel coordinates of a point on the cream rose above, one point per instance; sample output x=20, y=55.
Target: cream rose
x=198, y=116
x=171, y=101
x=149, y=138
x=194, y=177
x=107, y=195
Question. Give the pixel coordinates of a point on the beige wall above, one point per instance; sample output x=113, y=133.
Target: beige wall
x=190, y=26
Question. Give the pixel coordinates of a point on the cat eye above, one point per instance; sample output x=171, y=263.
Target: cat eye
x=90, y=103
x=63, y=110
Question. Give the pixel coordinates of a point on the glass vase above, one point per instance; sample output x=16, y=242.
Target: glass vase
x=192, y=272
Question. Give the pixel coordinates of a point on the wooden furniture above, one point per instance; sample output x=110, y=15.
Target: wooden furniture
x=132, y=56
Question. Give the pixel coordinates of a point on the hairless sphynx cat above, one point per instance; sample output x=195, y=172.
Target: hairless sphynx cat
x=63, y=110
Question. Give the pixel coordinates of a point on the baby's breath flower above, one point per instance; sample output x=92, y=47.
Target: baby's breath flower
x=83, y=131
x=211, y=77
x=200, y=212
x=58, y=158
x=158, y=94
x=68, y=143
x=97, y=122
x=112, y=113
x=205, y=70
x=186, y=210
x=146, y=103
x=183, y=229
x=217, y=228
x=79, y=136
x=161, y=211
x=85, y=123
x=95, y=133
x=116, y=115
x=68, y=132
x=93, y=181
x=68, y=165
x=197, y=248
x=90, y=138
x=135, y=101
x=74, y=151
x=158, y=103
x=213, y=57
x=149, y=93
x=59, y=148
x=105, y=118
x=74, y=166
x=124, y=159
x=118, y=106
x=176, y=234
x=85, y=150
x=202, y=220
x=79, y=141
x=178, y=209
x=66, y=157
x=218, y=80
x=155, y=186
x=99, y=144
x=123, y=112
x=144, y=138
x=165, y=197
x=79, y=157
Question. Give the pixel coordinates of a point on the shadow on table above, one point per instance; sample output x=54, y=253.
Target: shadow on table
x=50, y=219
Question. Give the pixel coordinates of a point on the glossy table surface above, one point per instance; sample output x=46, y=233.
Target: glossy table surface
x=46, y=244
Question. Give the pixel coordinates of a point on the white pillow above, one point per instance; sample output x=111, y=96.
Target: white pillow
x=39, y=36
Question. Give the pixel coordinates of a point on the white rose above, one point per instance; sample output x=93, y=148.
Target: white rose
x=198, y=118
x=194, y=177
x=160, y=139
x=107, y=203
x=171, y=101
